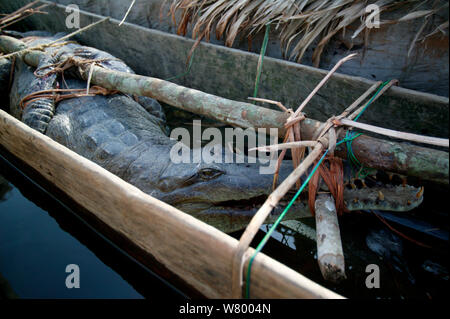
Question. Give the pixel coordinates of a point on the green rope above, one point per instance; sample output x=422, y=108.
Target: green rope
x=190, y=62
x=362, y=171
x=184, y=73
x=263, y=53
x=277, y=222
x=372, y=98
x=349, y=137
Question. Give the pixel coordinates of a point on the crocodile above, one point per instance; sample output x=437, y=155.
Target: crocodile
x=129, y=137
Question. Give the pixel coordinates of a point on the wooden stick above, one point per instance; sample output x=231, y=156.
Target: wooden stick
x=284, y=146
x=324, y=80
x=24, y=16
x=359, y=100
x=261, y=215
x=277, y=103
x=126, y=14
x=293, y=121
x=355, y=104
x=384, y=89
x=396, y=134
x=43, y=46
x=8, y=17
x=330, y=255
x=429, y=164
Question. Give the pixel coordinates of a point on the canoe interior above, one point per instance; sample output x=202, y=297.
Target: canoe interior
x=135, y=44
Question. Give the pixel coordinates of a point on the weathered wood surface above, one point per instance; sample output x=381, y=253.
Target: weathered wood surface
x=5, y=66
x=442, y=142
x=424, y=163
x=386, y=56
x=6, y=291
x=230, y=73
x=195, y=251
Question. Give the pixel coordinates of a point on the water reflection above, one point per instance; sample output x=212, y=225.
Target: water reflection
x=406, y=270
x=5, y=188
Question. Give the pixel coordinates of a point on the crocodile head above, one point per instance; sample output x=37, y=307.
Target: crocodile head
x=225, y=195
x=228, y=195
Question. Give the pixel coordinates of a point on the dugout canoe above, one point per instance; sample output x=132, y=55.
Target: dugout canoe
x=192, y=252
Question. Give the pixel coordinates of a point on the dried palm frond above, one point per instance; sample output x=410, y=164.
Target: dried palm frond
x=301, y=22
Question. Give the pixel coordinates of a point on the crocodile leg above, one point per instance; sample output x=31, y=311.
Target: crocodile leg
x=38, y=113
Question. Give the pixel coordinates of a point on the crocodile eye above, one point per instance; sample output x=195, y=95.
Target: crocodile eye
x=209, y=173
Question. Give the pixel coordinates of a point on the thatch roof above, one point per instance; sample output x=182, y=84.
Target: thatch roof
x=300, y=22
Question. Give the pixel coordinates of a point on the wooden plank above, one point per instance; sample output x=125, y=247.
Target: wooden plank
x=396, y=134
x=193, y=250
x=230, y=73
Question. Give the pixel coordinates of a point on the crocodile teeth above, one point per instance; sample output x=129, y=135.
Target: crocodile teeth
x=420, y=192
x=380, y=196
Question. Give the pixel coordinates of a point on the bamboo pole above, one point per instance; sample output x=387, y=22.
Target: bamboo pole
x=402, y=158
x=284, y=146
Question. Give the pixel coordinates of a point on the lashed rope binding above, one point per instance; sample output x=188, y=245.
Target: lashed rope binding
x=325, y=139
x=293, y=133
x=333, y=178
x=60, y=67
x=53, y=94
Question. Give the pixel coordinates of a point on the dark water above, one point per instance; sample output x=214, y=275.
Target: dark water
x=40, y=237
